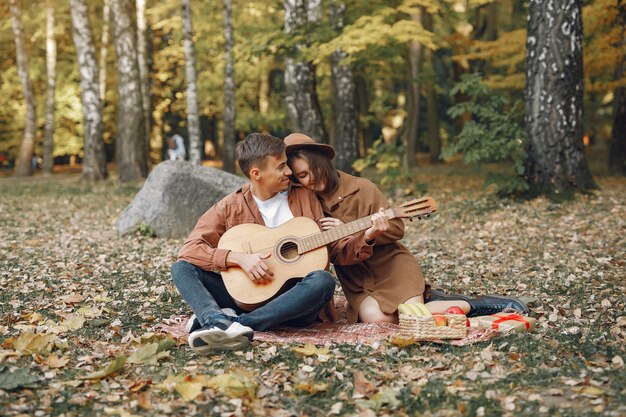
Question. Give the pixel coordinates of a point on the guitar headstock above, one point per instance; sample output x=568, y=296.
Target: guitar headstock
x=421, y=208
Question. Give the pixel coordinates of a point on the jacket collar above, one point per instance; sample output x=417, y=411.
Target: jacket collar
x=347, y=186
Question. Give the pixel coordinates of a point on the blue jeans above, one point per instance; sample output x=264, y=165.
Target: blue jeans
x=299, y=306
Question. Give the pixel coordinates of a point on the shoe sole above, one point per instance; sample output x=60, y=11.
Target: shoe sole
x=207, y=341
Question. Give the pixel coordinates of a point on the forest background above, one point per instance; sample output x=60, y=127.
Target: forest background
x=377, y=76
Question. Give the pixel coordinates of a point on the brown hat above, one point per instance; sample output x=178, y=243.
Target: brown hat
x=297, y=141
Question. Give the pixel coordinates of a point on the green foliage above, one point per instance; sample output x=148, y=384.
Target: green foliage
x=390, y=174
x=493, y=134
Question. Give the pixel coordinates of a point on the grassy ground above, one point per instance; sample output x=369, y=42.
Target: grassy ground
x=76, y=297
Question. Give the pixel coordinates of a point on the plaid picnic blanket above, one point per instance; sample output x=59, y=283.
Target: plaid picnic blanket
x=339, y=332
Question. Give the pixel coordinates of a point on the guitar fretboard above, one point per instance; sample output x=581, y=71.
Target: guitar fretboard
x=320, y=239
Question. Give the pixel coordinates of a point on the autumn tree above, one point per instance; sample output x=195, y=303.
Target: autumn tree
x=345, y=102
x=617, y=152
x=51, y=60
x=130, y=146
x=23, y=162
x=554, y=94
x=303, y=107
x=229, y=90
x=94, y=161
x=142, y=60
x=193, y=122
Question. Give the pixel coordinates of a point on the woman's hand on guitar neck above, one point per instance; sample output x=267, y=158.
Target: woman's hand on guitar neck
x=252, y=265
x=380, y=224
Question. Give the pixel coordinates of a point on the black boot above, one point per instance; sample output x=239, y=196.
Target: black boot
x=483, y=305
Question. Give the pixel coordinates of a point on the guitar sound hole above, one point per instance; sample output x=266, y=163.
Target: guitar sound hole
x=289, y=250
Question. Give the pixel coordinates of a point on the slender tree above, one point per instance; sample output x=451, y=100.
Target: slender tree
x=229, y=90
x=554, y=97
x=193, y=121
x=23, y=162
x=130, y=147
x=51, y=61
x=106, y=20
x=94, y=161
x=345, y=101
x=617, y=153
x=303, y=107
x=432, y=114
x=142, y=59
x=411, y=135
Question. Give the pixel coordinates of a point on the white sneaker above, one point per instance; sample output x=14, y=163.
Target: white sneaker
x=224, y=335
x=193, y=323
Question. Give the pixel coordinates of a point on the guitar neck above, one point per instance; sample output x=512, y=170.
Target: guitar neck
x=320, y=239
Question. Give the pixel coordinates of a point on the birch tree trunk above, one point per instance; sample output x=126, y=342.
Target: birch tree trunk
x=23, y=162
x=617, y=151
x=229, y=91
x=106, y=20
x=347, y=117
x=303, y=107
x=554, y=97
x=94, y=161
x=51, y=61
x=413, y=111
x=193, y=122
x=142, y=58
x=130, y=147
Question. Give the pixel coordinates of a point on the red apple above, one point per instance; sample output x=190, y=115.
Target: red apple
x=440, y=319
x=454, y=310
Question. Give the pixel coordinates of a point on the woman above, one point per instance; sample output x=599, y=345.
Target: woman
x=386, y=274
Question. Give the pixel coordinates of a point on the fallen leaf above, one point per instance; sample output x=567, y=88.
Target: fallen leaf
x=145, y=354
x=311, y=387
x=113, y=367
x=310, y=349
x=53, y=361
x=234, y=385
x=13, y=380
x=362, y=385
x=33, y=343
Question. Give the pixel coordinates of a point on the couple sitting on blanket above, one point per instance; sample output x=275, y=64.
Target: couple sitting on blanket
x=288, y=179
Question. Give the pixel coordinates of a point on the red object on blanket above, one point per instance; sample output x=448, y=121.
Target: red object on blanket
x=505, y=322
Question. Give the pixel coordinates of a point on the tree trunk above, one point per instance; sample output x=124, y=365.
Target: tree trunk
x=432, y=113
x=193, y=122
x=554, y=97
x=106, y=19
x=347, y=117
x=303, y=107
x=411, y=136
x=51, y=61
x=23, y=162
x=130, y=148
x=229, y=91
x=617, y=151
x=142, y=58
x=94, y=162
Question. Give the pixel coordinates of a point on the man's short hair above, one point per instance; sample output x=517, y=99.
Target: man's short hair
x=255, y=148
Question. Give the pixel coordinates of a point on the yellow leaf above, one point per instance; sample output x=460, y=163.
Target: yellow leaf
x=189, y=390
x=110, y=369
x=310, y=349
x=74, y=323
x=54, y=361
x=402, y=341
x=311, y=387
x=30, y=343
x=145, y=354
x=233, y=385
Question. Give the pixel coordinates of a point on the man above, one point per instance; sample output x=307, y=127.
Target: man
x=269, y=199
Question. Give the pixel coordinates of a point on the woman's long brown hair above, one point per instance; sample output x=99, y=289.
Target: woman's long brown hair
x=320, y=166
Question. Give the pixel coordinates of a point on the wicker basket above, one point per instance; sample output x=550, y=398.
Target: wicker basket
x=424, y=327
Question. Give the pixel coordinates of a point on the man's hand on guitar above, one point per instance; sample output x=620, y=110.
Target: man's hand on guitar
x=329, y=222
x=380, y=224
x=253, y=266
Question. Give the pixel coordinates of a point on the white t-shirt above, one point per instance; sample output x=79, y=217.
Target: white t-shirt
x=275, y=211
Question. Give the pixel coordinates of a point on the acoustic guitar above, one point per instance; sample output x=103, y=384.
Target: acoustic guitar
x=297, y=247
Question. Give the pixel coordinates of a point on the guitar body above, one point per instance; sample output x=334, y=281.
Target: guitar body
x=284, y=262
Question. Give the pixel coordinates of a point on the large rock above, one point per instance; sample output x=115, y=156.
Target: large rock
x=174, y=196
